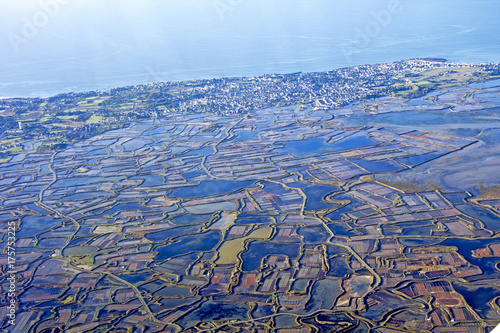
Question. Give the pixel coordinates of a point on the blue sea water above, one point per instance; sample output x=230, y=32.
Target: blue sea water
x=53, y=46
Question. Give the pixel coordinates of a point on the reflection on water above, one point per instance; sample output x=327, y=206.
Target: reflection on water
x=465, y=248
x=478, y=297
x=319, y=145
x=426, y=118
x=210, y=187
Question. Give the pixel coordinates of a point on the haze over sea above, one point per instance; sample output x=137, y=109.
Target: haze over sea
x=54, y=46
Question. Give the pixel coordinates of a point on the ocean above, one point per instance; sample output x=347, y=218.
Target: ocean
x=55, y=46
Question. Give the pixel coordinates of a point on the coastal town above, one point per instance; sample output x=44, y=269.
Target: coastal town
x=67, y=118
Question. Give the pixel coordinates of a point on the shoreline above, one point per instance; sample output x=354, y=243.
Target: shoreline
x=111, y=86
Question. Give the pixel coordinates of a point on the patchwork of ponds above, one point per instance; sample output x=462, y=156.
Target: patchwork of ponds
x=257, y=250
x=208, y=188
x=315, y=195
x=32, y=225
x=317, y=145
x=210, y=311
x=189, y=243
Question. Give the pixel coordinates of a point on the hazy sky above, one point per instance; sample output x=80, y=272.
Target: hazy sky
x=123, y=25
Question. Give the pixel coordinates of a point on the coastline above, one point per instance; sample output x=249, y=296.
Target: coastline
x=157, y=78
x=89, y=113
